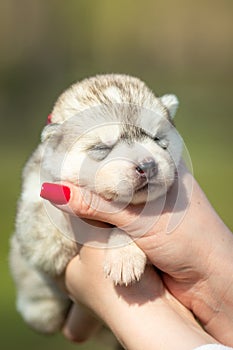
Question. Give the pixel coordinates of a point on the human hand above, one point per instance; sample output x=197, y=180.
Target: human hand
x=196, y=257
x=142, y=316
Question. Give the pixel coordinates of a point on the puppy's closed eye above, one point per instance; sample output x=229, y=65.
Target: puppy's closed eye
x=99, y=152
x=162, y=142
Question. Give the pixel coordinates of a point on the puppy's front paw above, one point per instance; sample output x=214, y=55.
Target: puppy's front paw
x=125, y=265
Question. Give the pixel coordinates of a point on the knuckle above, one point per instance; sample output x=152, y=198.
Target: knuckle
x=88, y=204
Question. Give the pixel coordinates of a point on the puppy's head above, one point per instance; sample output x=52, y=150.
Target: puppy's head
x=120, y=143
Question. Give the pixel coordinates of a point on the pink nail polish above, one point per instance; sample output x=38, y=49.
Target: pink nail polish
x=55, y=193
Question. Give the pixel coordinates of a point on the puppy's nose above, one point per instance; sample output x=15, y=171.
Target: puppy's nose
x=147, y=168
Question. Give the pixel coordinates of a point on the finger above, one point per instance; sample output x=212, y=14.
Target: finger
x=80, y=324
x=130, y=218
x=85, y=204
x=78, y=201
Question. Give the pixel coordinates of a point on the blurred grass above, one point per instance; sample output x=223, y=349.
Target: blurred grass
x=182, y=47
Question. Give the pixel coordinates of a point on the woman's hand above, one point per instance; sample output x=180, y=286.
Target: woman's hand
x=195, y=257
x=142, y=316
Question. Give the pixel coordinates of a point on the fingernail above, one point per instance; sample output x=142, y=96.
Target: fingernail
x=55, y=193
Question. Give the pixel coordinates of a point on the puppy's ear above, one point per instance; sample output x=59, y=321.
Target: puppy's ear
x=48, y=131
x=171, y=103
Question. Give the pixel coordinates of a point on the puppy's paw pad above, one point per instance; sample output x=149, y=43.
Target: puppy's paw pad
x=125, y=265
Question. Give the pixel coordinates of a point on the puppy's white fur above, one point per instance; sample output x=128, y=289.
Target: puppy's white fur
x=102, y=129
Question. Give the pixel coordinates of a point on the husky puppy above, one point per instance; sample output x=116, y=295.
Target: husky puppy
x=111, y=135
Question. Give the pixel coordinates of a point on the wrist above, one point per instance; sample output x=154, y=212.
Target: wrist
x=141, y=317
x=213, y=295
x=164, y=317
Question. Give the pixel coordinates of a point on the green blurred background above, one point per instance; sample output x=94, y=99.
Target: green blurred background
x=183, y=46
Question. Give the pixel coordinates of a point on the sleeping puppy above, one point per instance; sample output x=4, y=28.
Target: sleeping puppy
x=111, y=135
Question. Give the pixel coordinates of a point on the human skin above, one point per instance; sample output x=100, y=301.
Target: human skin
x=142, y=316
x=195, y=257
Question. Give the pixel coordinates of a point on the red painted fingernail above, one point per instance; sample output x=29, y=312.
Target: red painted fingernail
x=55, y=193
